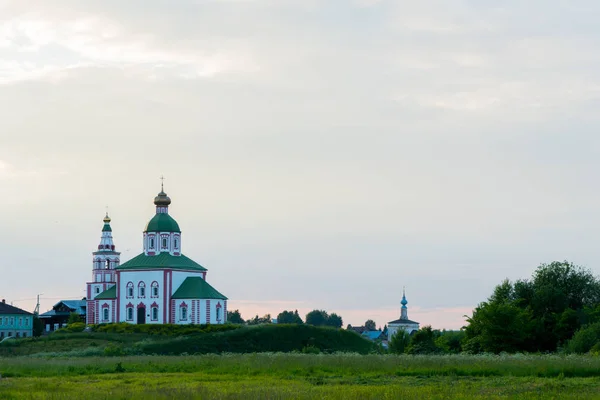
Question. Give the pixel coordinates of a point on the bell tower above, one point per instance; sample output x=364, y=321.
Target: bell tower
x=105, y=260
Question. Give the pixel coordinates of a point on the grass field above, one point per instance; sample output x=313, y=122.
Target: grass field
x=300, y=376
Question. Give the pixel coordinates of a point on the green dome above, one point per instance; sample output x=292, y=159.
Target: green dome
x=162, y=222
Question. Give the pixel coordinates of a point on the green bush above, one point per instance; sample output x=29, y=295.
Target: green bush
x=73, y=327
x=163, y=329
x=262, y=338
x=584, y=339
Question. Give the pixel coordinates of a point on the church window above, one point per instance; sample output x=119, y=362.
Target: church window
x=142, y=289
x=20, y=321
x=129, y=289
x=97, y=290
x=183, y=313
x=107, y=264
x=164, y=243
x=176, y=243
x=154, y=313
x=218, y=313
x=151, y=242
x=154, y=289
x=26, y=321
x=129, y=313
x=105, y=314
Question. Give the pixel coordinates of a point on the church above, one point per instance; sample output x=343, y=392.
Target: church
x=159, y=286
x=403, y=323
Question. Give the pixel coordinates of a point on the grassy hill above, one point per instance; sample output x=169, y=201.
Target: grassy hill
x=122, y=339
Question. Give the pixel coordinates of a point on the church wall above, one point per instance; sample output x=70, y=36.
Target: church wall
x=392, y=329
x=147, y=301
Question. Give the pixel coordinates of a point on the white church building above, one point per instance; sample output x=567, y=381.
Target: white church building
x=402, y=323
x=159, y=286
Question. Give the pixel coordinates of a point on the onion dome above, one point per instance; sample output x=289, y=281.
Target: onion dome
x=106, y=227
x=162, y=200
x=403, y=302
x=162, y=223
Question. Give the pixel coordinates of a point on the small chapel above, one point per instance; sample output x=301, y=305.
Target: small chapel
x=403, y=323
x=159, y=286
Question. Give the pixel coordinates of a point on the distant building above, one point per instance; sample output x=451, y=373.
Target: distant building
x=402, y=323
x=15, y=322
x=60, y=313
x=159, y=286
x=374, y=335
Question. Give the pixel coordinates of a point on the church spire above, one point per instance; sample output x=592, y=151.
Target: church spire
x=162, y=201
x=404, y=309
x=106, y=240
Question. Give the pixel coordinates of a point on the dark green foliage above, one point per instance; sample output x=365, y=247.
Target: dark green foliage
x=584, y=339
x=74, y=317
x=72, y=327
x=163, y=329
x=399, y=342
x=450, y=341
x=289, y=317
x=263, y=338
x=322, y=318
x=234, y=317
x=423, y=342
x=334, y=321
x=265, y=319
x=317, y=317
x=536, y=315
x=370, y=325
x=38, y=326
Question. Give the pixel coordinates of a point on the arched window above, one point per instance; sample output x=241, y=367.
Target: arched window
x=105, y=314
x=176, y=243
x=129, y=313
x=218, y=313
x=107, y=263
x=164, y=243
x=129, y=289
x=97, y=290
x=152, y=242
x=154, y=292
x=154, y=313
x=183, y=314
x=141, y=289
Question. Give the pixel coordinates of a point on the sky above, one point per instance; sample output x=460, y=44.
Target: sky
x=318, y=154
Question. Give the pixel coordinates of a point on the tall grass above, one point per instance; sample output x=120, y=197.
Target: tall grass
x=290, y=365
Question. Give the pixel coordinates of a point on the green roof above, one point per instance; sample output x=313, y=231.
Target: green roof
x=162, y=260
x=106, y=228
x=162, y=222
x=110, y=293
x=196, y=288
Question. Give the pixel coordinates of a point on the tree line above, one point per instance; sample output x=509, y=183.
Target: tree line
x=315, y=317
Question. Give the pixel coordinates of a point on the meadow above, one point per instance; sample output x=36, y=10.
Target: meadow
x=300, y=376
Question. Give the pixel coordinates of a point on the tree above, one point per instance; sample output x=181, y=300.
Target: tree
x=423, y=341
x=317, y=318
x=38, y=326
x=370, y=325
x=399, y=341
x=235, y=317
x=335, y=321
x=535, y=315
x=74, y=317
x=289, y=317
x=265, y=319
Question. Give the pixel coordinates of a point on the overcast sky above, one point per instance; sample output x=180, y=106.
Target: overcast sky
x=319, y=154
